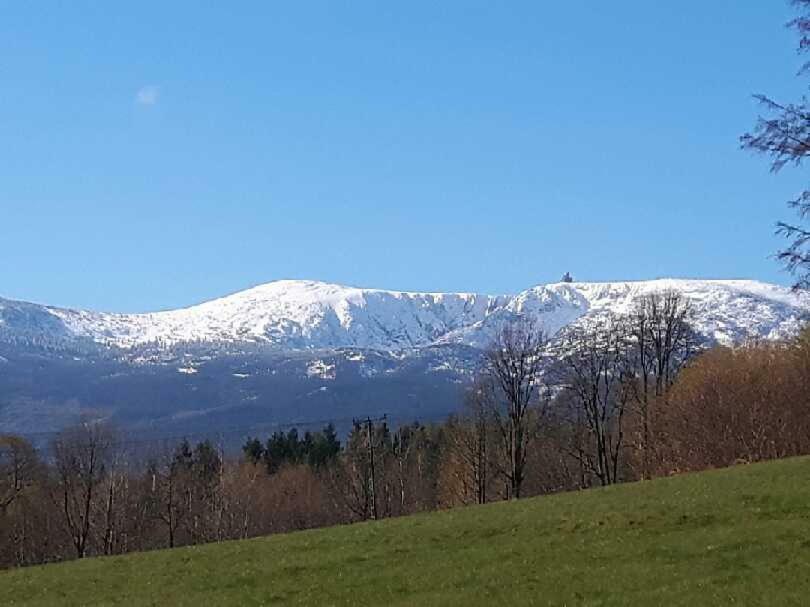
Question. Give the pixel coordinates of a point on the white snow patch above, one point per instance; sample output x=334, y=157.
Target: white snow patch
x=321, y=369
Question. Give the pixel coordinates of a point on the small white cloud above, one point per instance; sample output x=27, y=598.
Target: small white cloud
x=147, y=95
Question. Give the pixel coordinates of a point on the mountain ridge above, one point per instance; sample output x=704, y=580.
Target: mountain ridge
x=305, y=314
x=308, y=350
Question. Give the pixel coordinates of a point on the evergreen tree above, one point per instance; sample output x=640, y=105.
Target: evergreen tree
x=253, y=450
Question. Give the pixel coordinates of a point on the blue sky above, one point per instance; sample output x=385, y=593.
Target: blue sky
x=160, y=154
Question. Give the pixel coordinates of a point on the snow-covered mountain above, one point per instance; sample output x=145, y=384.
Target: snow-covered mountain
x=306, y=315
x=302, y=350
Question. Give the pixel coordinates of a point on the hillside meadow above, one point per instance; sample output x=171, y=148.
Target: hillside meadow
x=733, y=536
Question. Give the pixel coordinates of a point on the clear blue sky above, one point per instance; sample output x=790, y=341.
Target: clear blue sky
x=159, y=154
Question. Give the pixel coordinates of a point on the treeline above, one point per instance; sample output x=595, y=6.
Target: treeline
x=625, y=398
x=88, y=497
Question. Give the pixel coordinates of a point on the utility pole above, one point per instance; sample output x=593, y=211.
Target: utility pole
x=370, y=438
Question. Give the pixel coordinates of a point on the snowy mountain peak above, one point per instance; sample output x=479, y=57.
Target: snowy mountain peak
x=303, y=315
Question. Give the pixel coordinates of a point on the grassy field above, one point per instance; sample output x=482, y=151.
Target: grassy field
x=737, y=536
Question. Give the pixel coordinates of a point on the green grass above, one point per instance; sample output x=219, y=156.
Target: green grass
x=738, y=536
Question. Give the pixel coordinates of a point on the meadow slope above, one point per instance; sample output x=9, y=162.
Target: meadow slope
x=736, y=536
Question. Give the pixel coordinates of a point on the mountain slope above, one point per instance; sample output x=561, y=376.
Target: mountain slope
x=308, y=351
x=304, y=315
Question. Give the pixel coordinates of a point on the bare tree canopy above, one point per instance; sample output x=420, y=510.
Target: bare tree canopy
x=513, y=365
x=82, y=455
x=468, y=437
x=784, y=135
x=661, y=327
x=18, y=466
x=661, y=341
x=595, y=376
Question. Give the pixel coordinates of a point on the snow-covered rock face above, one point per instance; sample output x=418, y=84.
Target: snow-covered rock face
x=293, y=315
x=303, y=315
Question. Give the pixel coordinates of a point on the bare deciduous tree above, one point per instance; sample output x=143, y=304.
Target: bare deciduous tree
x=362, y=470
x=662, y=339
x=595, y=373
x=168, y=498
x=413, y=463
x=18, y=466
x=513, y=364
x=468, y=438
x=114, y=496
x=81, y=457
x=742, y=404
